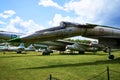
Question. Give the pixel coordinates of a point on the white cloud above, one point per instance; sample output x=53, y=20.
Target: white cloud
x=85, y=8
x=19, y=25
x=58, y=18
x=1, y=22
x=95, y=11
x=8, y=13
x=47, y=3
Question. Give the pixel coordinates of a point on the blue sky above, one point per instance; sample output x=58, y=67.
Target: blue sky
x=27, y=16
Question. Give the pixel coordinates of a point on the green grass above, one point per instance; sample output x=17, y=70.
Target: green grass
x=34, y=66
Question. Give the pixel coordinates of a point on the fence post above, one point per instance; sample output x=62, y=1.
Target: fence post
x=108, y=74
x=50, y=76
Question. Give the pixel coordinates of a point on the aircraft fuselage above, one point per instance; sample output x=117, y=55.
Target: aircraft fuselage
x=4, y=35
x=61, y=32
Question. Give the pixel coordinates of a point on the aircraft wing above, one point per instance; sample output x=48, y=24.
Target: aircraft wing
x=62, y=45
x=54, y=45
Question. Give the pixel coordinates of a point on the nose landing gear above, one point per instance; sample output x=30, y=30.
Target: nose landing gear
x=110, y=56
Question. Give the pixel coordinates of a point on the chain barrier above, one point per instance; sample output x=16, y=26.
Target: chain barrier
x=114, y=71
x=97, y=75
x=94, y=77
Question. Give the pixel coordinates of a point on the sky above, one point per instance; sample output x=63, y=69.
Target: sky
x=26, y=16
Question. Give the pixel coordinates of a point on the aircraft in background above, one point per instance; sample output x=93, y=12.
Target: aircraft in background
x=108, y=36
x=19, y=49
x=62, y=45
x=30, y=48
x=84, y=47
x=5, y=35
x=8, y=47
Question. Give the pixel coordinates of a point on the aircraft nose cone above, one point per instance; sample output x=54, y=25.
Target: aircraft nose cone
x=15, y=40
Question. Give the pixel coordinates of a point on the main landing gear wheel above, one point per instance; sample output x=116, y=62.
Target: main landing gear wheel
x=46, y=53
x=19, y=52
x=111, y=56
x=81, y=52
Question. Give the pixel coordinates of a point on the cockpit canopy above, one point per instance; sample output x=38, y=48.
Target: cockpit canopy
x=68, y=24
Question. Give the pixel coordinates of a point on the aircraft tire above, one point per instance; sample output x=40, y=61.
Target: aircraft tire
x=81, y=52
x=111, y=56
x=18, y=52
x=45, y=53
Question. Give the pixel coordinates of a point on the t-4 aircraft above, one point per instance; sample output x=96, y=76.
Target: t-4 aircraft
x=109, y=36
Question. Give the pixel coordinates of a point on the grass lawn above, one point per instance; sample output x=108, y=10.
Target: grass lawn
x=34, y=66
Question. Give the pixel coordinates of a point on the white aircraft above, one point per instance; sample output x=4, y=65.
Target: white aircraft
x=109, y=36
x=18, y=49
x=30, y=48
x=8, y=47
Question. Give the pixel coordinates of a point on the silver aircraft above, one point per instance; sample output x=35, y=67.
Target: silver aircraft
x=5, y=35
x=8, y=47
x=19, y=49
x=109, y=36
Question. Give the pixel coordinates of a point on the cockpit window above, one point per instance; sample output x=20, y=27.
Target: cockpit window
x=69, y=24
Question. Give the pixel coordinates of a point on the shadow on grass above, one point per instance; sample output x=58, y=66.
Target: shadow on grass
x=86, y=53
x=27, y=55
x=117, y=60
x=18, y=55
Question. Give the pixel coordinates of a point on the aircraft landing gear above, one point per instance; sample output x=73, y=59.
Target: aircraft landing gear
x=19, y=52
x=110, y=56
x=81, y=52
x=47, y=52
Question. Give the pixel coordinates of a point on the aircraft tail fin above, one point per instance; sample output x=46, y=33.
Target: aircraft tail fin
x=31, y=47
x=21, y=47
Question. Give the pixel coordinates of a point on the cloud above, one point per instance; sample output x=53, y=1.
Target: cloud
x=58, y=18
x=1, y=22
x=95, y=11
x=19, y=25
x=85, y=8
x=6, y=14
x=47, y=3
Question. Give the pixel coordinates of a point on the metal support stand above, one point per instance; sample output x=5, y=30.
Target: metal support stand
x=110, y=56
x=108, y=73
